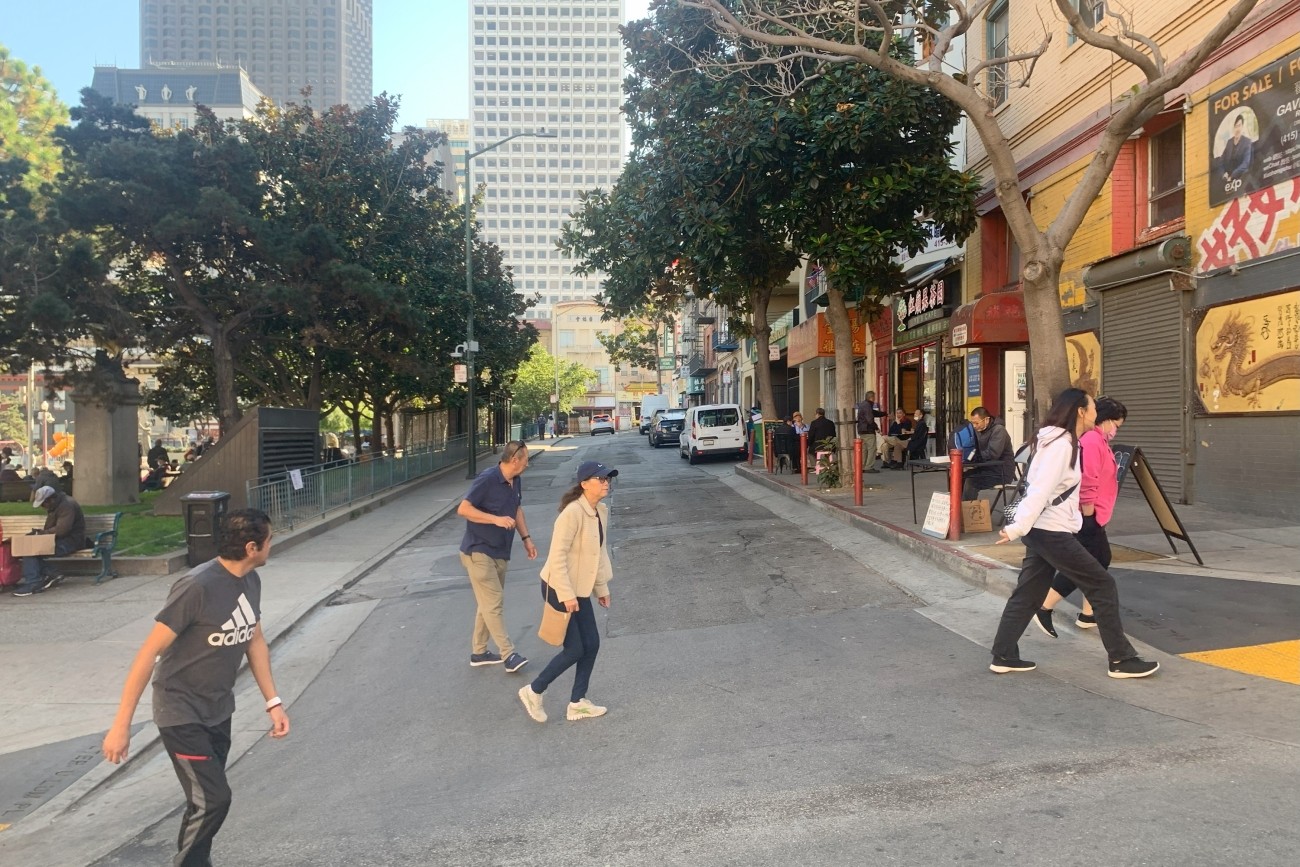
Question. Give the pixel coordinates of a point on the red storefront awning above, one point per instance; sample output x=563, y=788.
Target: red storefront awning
x=996, y=318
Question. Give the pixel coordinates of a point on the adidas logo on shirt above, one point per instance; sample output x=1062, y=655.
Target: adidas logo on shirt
x=239, y=628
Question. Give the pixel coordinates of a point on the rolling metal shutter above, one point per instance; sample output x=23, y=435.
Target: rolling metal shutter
x=1143, y=354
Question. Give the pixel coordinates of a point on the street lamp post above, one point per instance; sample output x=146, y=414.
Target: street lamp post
x=470, y=346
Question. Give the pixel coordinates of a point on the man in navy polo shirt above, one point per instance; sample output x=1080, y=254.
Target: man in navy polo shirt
x=493, y=511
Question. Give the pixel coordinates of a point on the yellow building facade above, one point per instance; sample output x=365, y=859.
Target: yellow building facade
x=1179, y=294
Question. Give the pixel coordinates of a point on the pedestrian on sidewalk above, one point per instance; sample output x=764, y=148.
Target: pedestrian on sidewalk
x=1047, y=518
x=493, y=511
x=1098, y=490
x=210, y=622
x=578, y=565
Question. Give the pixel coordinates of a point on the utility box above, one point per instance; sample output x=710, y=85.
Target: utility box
x=205, y=518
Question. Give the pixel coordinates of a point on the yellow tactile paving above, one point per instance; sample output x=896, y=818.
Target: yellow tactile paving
x=1279, y=660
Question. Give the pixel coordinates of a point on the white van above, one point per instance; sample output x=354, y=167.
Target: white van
x=713, y=429
x=649, y=406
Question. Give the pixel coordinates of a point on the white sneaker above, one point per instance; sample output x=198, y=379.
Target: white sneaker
x=532, y=703
x=584, y=709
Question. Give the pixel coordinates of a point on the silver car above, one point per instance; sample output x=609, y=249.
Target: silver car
x=602, y=424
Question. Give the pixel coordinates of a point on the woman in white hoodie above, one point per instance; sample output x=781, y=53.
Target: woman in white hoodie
x=1047, y=519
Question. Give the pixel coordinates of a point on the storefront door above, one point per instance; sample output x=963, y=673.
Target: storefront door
x=1015, y=391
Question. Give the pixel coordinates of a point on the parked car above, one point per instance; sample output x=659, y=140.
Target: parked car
x=667, y=428
x=602, y=424
x=652, y=406
x=713, y=429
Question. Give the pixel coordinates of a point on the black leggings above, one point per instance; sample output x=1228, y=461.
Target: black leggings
x=1092, y=536
x=1048, y=552
x=198, y=754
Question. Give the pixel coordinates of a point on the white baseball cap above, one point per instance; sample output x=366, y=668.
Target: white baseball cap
x=42, y=494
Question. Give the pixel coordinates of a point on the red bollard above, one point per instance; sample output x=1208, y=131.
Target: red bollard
x=857, y=472
x=954, y=495
x=803, y=456
x=768, y=458
x=751, y=446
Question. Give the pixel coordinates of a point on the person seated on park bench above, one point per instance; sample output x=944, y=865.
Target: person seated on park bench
x=66, y=522
x=153, y=480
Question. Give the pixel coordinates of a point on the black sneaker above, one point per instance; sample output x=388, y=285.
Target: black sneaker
x=28, y=591
x=1086, y=621
x=1044, y=620
x=1002, y=665
x=487, y=657
x=51, y=582
x=1134, y=666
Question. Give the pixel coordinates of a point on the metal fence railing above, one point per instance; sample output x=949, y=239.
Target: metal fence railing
x=293, y=498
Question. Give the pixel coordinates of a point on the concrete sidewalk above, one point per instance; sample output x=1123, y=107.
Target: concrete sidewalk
x=1240, y=610
x=66, y=651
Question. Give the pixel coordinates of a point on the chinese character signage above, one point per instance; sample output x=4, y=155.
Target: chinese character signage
x=928, y=302
x=1248, y=356
x=1255, y=131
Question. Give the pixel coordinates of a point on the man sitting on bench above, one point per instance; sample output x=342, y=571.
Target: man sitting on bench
x=66, y=522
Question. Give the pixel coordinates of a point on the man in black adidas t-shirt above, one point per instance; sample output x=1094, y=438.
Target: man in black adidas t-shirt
x=210, y=622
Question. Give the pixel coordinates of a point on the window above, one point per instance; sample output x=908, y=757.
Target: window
x=1092, y=11
x=998, y=37
x=1167, y=175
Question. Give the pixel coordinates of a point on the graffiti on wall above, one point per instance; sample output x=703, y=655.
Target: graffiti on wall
x=1248, y=355
x=1083, y=352
x=1263, y=222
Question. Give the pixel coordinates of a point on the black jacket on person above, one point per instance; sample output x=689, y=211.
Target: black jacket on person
x=65, y=520
x=920, y=433
x=993, y=445
x=821, y=428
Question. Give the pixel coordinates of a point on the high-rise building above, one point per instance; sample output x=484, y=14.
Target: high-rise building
x=554, y=65
x=457, y=132
x=285, y=45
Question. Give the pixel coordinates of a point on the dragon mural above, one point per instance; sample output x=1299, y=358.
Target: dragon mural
x=1231, y=367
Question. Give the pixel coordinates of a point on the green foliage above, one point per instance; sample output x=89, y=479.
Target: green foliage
x=534, y=383
x=30, y=112
x=636, y=343
x=291, y=258
x=829, y=473
x=11, y=420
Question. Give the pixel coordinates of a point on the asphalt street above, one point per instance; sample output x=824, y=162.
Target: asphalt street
x=774, y=700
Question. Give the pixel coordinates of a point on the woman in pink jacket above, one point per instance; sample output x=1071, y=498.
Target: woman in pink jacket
x=1098, y=489
x=577, y=567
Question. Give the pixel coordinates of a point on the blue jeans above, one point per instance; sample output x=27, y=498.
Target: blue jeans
x=34, y=567
x=581, y=644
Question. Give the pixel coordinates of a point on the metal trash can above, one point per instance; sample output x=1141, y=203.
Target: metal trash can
x=205, y=517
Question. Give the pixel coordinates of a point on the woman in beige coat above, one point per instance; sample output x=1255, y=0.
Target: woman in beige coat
x=577, y=566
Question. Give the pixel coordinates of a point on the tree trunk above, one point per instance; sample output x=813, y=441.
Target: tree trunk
x=388, y=426
x=223, y=370
x=355, y=418
x=758, y=302
x=1049, y=364
x=837, y=316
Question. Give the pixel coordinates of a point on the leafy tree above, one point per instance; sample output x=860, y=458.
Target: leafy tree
x=12, y=426
x=636, y=343
x=734, y=180
x=30, y=112
x=535, y=382
x=783, y=35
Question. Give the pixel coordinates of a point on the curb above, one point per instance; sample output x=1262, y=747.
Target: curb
x=979, y=572
x=145, y=746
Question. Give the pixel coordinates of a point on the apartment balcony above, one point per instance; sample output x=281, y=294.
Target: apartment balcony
x=724, y=341
x=698, y=365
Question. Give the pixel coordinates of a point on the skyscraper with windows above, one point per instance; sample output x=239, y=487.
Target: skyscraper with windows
x=284, y=45
x=556, y=66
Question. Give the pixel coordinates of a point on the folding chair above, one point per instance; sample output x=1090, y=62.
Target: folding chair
x=1007, y=492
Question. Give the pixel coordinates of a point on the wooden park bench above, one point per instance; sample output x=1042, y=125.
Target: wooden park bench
x=102, y=530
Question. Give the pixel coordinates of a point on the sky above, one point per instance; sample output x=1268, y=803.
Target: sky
x=420, y=47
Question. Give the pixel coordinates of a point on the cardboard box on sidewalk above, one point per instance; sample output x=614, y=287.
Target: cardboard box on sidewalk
x=976, y=517
x=33, y=546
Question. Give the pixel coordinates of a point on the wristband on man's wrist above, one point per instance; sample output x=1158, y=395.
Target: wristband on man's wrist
x=524, y=538
x=273, y=703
